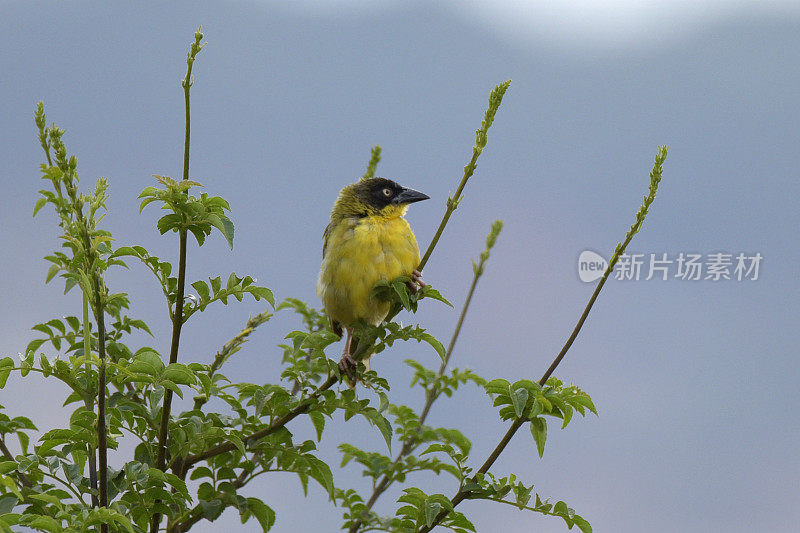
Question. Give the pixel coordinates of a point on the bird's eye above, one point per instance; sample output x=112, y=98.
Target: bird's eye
x=387, y=192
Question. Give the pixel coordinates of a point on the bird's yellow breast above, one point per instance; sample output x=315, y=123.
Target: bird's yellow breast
x=358, y=253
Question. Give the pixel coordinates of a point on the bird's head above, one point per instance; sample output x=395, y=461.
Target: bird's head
x=375, y=197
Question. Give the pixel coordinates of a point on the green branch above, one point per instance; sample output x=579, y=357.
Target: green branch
x=231, y=347
x=80, y=234
x=655, y=179
x=495, y=99
x=182, y=467
x=87, y=348
x=177, y=319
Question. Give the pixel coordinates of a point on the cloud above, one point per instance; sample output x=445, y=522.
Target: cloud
x=578, y=25
x=612, y=24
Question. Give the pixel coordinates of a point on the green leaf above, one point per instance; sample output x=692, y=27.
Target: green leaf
x=519, y=398
x=107, y=516
x=147, y=362
x=74, y=323
x=584, y=400
x=432, y=510
x=262, y=292
x=39, y=204
x=435, y=344
x=497, y=386
x=321, y=472
x=318, y=419
x=7, y=503
x=123, y=251
x=201, y=472
x=224, y=225
x=211, y=509
x=44, y=364
x=582, y=524
x=146, y=201
x=169, y=222
x=45, y=523
x=179, y=373
x=202, y=290
x=430, y=292
x=58, y=325
x=236, y=441
x=6, y=364
x=264, y=514
x=44, y=329
x=71, y=282
x=383, y=425
x=167, y=384
x=216, y=284
x=149, y=191
x=539, y=432
x=399, y=286
x=198, y=234
x=51, y=272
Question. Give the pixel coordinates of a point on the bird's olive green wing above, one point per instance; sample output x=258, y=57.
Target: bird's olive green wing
x=325, y=235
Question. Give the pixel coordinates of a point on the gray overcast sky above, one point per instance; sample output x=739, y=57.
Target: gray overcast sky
x=695, y=382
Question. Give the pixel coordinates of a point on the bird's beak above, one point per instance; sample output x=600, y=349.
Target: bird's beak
x=409, y=196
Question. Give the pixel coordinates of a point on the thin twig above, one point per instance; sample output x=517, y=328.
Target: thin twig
x=182, y=467
x=231, y=347
x=196, y=513
x=67, y=485
x=495, y=98
x=655, y=179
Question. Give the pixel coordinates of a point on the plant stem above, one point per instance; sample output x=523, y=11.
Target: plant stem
x=102, y=431
x=177, y=317
x=87, y=348
x=374, y=159
x=452, y=204
x=97, y=288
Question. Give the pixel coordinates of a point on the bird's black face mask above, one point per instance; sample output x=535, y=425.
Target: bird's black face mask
x=382, y=192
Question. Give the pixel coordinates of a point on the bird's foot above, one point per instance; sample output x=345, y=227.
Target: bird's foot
x=348, y=365
x=416, y=282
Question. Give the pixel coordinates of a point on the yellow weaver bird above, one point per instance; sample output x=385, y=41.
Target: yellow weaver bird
x=366, y=241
